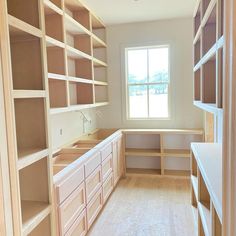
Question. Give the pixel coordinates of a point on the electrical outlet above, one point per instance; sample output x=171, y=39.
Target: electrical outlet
x=60, y=131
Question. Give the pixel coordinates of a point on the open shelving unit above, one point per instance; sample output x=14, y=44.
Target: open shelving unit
x=24, y=49
x=208, y=48
x=206, y=191
x=167, y=150
x=76, y=57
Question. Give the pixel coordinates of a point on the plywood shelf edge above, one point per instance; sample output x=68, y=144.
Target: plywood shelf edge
x=23, y=27
x=30, y=156
x=29, y=93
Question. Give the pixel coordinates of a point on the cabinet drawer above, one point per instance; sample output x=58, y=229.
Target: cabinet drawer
x=93, y=183
x=65, y=187
x=107, y=187
x=93, y=162
x=106, y=151
x=71, y=208
x=79, y=228
x=94, y=207
x=107, y=167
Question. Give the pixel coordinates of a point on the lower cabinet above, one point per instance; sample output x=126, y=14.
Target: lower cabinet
x=94, y=207
x=71, y=208
x=81, y=192
x=79, y=227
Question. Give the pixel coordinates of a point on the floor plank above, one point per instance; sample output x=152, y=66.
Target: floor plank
x=147, y=205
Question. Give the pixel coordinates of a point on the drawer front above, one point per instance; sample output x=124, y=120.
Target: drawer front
x=93, y=183
x=107, y=187
x=71, y=208
x=79, y=227
x=69, y=184
x=107, y=166
x=93, y=162
x=106, y=151
x=94, y=207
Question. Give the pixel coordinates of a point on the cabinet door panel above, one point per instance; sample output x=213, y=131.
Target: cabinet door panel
x=93, y=183
x=107, y=187
x=94, y=207
x=79, y=227
x=71, y=208
x=106, y=151
x=93, y=162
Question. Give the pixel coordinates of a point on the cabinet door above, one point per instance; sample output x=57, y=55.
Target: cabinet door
x=71, y=208
x=94, y=207
x=120, y=157
x=79, y=227
x=93, y=183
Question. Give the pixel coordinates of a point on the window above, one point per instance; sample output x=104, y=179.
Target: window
x=147, y=82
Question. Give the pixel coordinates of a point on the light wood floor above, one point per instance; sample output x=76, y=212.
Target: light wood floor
x=147, y=205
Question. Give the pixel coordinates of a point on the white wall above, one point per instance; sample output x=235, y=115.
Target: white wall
x=178, y=33
x=66, y=127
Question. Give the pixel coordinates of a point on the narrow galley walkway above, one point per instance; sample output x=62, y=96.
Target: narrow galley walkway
x=147, y=205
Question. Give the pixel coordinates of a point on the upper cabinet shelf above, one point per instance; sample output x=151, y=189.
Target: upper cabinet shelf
x=76, y=56
x=208, y=50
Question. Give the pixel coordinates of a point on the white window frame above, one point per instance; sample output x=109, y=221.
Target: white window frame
x=127, y=111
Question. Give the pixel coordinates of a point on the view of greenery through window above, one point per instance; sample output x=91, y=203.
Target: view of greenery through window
x=148, y=82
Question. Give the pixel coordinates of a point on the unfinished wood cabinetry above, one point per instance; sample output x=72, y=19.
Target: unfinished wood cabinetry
x=26, y=89
x=162, y=151
x=206, y=193
x=208, y=48
x=76, y=56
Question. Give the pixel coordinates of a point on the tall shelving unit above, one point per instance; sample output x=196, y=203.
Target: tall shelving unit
x=54, y=60
x=206, y=158
x=27, y=111
x=76, y=57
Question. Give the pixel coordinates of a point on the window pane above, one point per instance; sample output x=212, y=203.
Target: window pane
x=137, y=66
x=138, y=102
x=158, y=101
x=158, y=64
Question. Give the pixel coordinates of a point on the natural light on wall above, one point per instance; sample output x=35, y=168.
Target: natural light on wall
x=147, y=82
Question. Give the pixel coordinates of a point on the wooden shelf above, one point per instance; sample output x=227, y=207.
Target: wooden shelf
x=21, y=28
x=99, y=63
x=57, y=76
x=101, y=93
x=74, y=27
x=76, y=108
x=209, y=107
x=166, y=131
x=76, y=54
x=176, y=153
x=29, y=93
x=209, y=160
x=51, y=42
x=79, y=80
x=31, y=155
x=33, y=213
x=51, y=8
x=100, y=83
x=142, y=152
x=204, y=211
x=97, y=42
